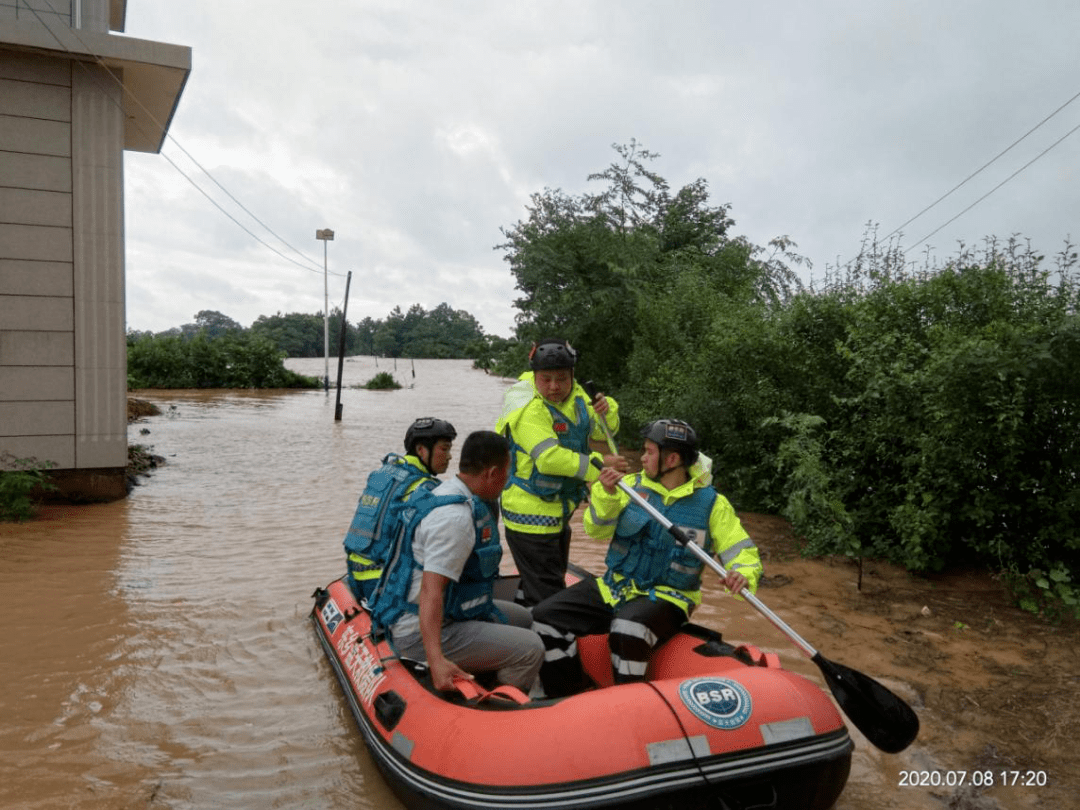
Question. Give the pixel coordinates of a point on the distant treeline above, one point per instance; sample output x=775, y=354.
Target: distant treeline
x=442, y=333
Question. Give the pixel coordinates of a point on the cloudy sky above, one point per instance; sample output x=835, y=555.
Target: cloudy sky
x=416, y=130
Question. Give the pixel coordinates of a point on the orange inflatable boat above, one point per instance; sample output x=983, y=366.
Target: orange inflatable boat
x=713, y=726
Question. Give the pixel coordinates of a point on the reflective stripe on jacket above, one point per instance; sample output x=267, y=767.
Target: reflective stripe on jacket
x=550, y=456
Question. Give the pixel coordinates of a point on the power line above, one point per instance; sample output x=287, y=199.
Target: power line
x=980, y=170
x=238, y=222
x=995, y=188
x=315, y=268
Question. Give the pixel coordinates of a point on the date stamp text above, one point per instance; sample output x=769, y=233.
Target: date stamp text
x=978, y=778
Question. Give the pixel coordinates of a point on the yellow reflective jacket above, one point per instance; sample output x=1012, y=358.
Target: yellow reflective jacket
x=550, y=464
x=730, y=542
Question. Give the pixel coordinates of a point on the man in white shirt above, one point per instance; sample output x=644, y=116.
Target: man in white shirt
x=450, y=619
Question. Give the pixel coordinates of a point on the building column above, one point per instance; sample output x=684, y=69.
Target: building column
x=97, y=132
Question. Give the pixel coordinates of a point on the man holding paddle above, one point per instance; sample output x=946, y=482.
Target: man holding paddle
x=653, y=582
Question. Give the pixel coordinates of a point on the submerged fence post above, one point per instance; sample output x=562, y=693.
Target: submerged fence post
x=341, y=347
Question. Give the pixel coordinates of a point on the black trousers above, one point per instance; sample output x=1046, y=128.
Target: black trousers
x=541, y=561
x=636, y=627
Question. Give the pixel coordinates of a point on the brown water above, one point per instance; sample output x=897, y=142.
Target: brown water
x=156, y=652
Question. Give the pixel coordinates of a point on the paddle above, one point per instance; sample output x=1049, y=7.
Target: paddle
x=886, y=720
x=590, y=389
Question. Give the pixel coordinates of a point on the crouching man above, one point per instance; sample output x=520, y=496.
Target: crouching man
x=652, y=583
x=435, y=594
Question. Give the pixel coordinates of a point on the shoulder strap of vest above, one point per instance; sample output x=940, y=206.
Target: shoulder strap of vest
x=709, y=494
x=427, y=501
x=389, y=600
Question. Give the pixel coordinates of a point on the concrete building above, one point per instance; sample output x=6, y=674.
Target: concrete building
x=73, y=97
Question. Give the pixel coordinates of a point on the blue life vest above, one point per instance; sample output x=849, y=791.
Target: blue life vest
x=644, y=551
x=468, y=598
x=573, y=435
x=377, y=520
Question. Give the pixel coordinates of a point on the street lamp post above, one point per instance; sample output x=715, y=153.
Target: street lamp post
x=326, y=235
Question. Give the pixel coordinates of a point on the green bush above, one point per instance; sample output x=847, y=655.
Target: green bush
x=20, y=480
x=383, y=381
x=952, y=431
x=232, y=360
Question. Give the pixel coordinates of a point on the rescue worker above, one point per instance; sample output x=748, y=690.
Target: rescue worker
x=436, y=593
x=549, y=420
x=428, y=444
x=652, y=583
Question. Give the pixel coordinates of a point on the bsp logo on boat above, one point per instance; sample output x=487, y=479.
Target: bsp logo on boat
x=720, y=702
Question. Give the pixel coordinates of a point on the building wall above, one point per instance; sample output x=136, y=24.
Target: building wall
x=62, y=341
x=49, y=11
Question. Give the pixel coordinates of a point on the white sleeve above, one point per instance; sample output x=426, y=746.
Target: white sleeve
x=446, y=538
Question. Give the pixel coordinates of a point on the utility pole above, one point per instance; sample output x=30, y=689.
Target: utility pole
x=341, y=346
x=326, y=235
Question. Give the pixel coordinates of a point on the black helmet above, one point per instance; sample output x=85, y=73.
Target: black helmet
x=552, y=353
x=673, y=434
x=428, y=430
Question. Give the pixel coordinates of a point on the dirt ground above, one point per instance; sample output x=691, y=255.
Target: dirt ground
x=995, y=688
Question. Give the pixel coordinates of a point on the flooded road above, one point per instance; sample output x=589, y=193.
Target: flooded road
x=157, y=653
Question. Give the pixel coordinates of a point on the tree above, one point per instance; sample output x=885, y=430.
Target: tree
x=366, y=335
x=297, y=334
x=214, y=324
x=442, y=333
x=592, y=267
x=389, y=336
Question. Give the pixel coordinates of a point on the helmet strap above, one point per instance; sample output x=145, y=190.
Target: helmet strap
x=425, y=458
x=662, y=471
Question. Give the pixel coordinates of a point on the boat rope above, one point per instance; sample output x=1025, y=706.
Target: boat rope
x=685, y=733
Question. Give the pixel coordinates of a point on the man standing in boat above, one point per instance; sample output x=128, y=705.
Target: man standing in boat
x=435, y=595
x=549, y=421
x=652, y=583
x=428, y=442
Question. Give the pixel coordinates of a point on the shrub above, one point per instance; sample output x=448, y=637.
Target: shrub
x=233, y=360
x=383, y=381
x=20, y=480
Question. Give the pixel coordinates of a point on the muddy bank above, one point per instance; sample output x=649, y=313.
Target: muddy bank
x=140, y=408
x=142, y=461
x=995, y=688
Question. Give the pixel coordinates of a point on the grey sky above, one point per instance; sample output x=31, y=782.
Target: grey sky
x=416, y=130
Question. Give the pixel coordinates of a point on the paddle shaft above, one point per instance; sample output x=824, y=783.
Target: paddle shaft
x=590, y=389
x=886, y=720
x=705, y=557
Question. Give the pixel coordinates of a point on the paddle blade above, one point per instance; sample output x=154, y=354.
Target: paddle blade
x=886, y=720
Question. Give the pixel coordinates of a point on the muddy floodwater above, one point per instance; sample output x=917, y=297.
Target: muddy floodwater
x=157, y=653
